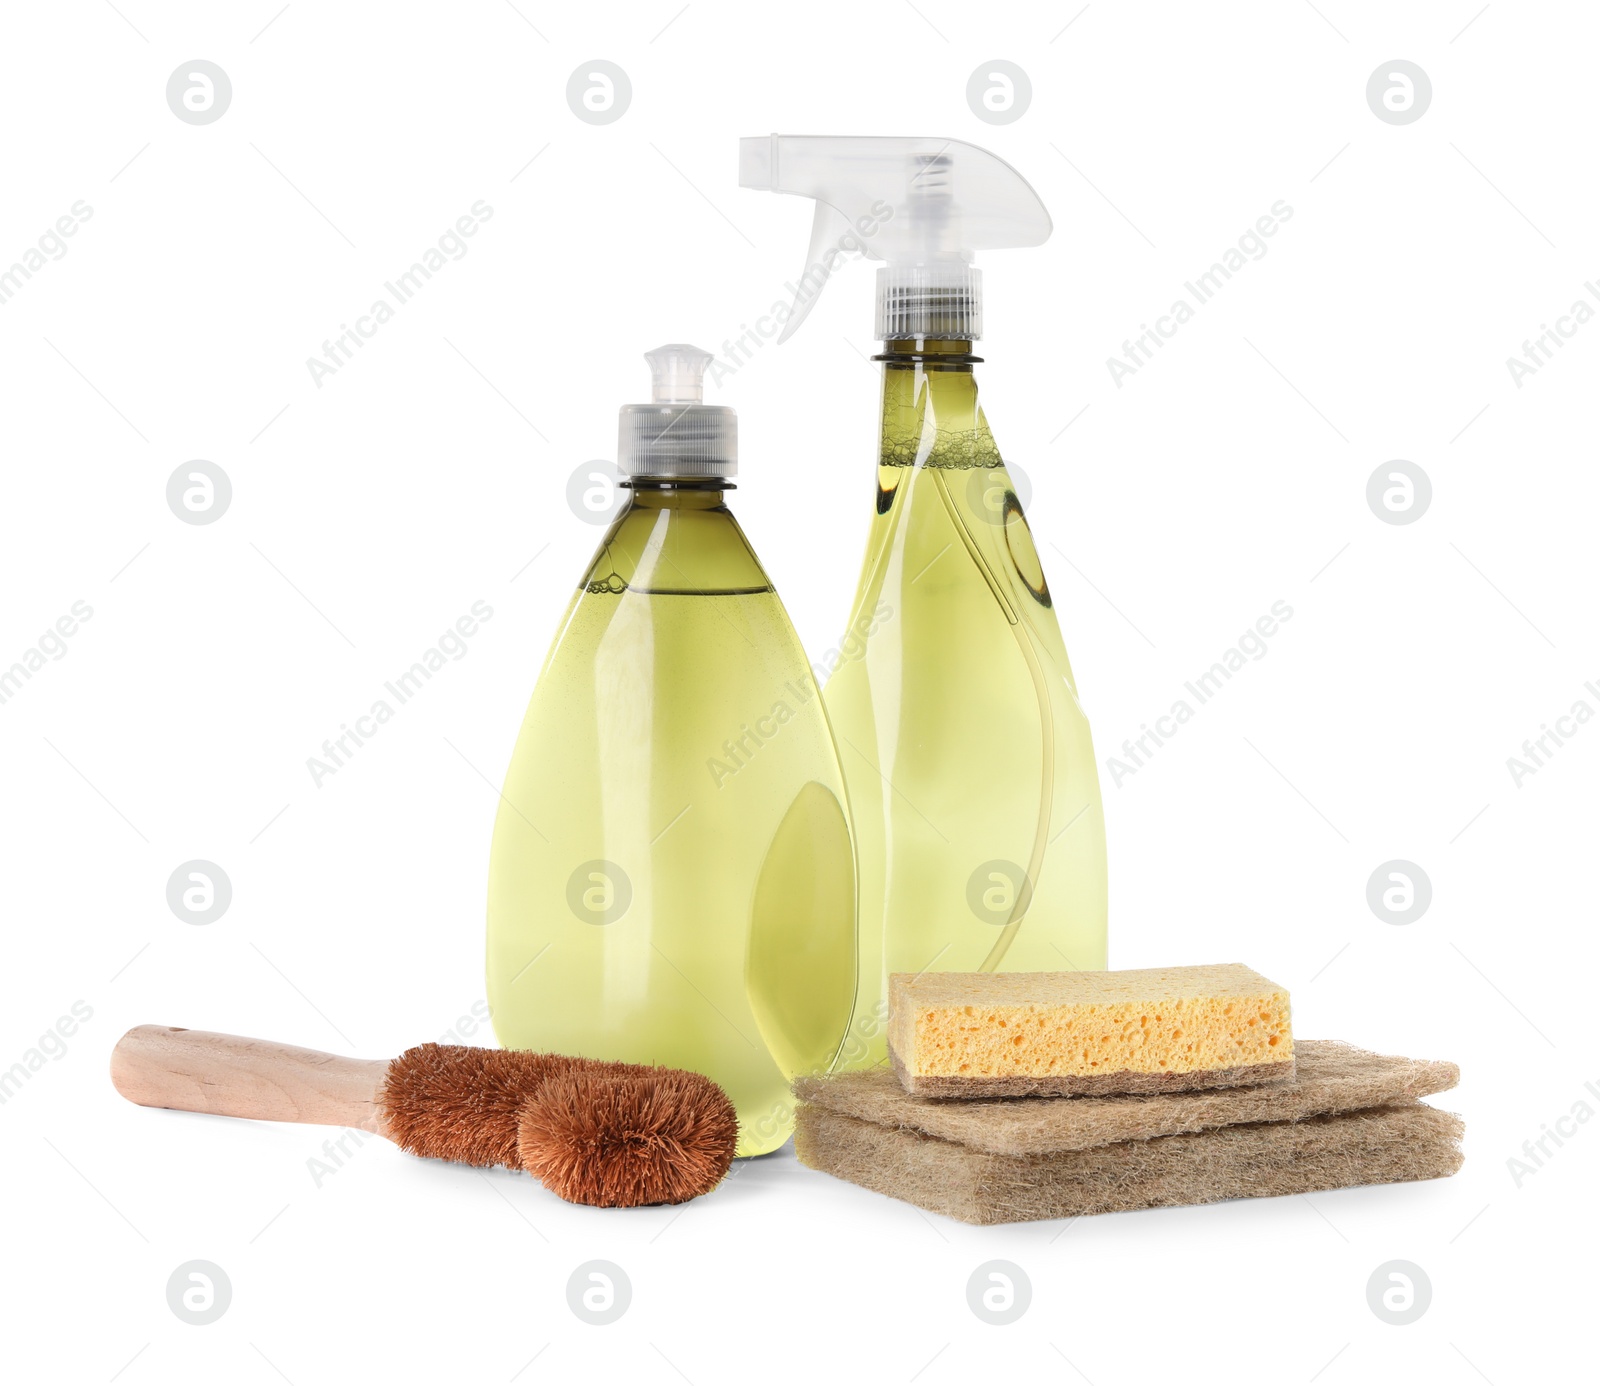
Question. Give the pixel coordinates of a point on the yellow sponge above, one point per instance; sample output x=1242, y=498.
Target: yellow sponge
x=1015, y=1034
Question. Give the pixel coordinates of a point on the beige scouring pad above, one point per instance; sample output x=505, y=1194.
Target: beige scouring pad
x=1348, y=1117
x=1150, y=1030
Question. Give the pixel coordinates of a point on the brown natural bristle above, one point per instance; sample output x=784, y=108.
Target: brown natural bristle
x=456, y=1102
x=624, y=1139
x=612, y=1135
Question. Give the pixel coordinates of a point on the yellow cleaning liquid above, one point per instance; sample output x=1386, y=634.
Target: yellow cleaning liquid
x=972, y=778
x=672, y=879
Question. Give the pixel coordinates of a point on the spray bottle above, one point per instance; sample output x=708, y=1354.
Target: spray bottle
x=968, y=760
x=672, y=879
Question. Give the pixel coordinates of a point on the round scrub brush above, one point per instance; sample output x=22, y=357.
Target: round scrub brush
x=611, y=1135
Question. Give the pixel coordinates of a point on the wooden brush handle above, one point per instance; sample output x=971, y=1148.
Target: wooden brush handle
x=229, y=1075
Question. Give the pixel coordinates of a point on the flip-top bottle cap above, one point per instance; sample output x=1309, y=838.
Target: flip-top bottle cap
x=677, y=436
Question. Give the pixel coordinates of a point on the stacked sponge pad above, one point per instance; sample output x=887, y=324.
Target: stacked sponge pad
x=1178, y=1111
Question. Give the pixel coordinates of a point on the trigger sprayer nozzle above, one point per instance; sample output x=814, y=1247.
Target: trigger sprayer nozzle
x=921, y=206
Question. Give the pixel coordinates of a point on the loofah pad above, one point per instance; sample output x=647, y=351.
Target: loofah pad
x=1123, y=1080
x=1377, y=1146
x=1329, y=1077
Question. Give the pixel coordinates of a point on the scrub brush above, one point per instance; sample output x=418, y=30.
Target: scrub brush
x=611, y=1135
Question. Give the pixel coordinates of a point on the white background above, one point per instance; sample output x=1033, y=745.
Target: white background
x=430, y=472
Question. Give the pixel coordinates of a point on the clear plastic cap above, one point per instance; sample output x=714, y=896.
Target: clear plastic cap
x=923, y=206
x=676, y=436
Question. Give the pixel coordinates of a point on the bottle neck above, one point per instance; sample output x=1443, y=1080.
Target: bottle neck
x=660, y=493
x=931, y=414
x=932, y=353
x=675, y=538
